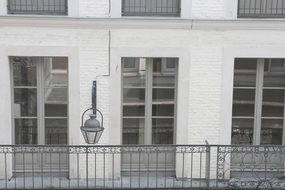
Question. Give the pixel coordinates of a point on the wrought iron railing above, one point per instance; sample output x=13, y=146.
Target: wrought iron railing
x=160, y=8
x=37, y=7
x=142, y=167
x=261, y=8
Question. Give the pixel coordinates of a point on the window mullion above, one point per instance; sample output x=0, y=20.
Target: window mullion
x=258, y=101
x=12, y=101
x=40, y=85
x=148, y=102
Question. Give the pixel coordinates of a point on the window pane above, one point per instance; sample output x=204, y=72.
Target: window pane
x=134, y=72
x=162, y=131
x=274, y=73
x=24, y=71
x=163, y=110
x=133, y=131
x=56, y=102
x=163, y=95
x=245, y=72
x=56, y=72
x=26, y=131
x=164, y=70
x=25, y=102
x=243, y=102
x=56, y=82
x=273, y=103
x=134, y=96
x=134, y=111
x=271, y=131
x=242, y=131
x=56, y=131
x=163, y=100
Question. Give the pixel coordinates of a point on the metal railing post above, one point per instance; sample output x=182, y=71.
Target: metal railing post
x=208, y=164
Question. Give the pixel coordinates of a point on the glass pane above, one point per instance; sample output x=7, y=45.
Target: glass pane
x=25, y=102
x=242, y=131
x=133, y=96
x=133, y=72
x=24, y=71
x=55, y=110
x=56, y=95
x=243, y=102
x=163, y=96
x=245, y=72
x=133, y=131
x=56, y=102
x=164, y=70
x=273, y=103
x=271, y=131
x=56, y=82
x=56, y=72
x=163, y=110
x=26, y=131
x=274, y=73
x=56, y=131
x=134, y=111
x=162, y=131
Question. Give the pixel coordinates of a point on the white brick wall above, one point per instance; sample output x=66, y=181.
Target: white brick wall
x=196, y=9
x=206, y=105
x=191, y=9
x=94, y=8
x=205, y=119
x=214, y=9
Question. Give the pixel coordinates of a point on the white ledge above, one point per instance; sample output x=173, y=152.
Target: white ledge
x=131, y=23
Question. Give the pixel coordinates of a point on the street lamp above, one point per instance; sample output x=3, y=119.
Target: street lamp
x=92, y=129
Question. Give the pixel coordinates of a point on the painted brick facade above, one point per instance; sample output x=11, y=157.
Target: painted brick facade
x=94, y=8
x=205, y=65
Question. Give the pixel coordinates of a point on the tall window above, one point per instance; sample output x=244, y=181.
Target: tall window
x=149, y=100
x=168, y=8
x=41, y=7
x=258, y=101
x=40, y=99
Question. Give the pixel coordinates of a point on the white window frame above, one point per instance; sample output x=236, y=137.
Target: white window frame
x=258, y=103
x=148, y=96
x=40, y=69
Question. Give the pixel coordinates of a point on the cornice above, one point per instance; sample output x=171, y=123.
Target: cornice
x=128, y=23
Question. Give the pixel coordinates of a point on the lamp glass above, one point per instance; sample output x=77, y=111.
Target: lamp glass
x=92, y=130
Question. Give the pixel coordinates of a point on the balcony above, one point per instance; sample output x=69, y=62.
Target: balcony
x=151, y=8
x=261, y=9
x=37, y=7
x=142, y=167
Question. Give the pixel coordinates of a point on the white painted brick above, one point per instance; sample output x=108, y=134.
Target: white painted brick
x=208, y=9
x=94, y=8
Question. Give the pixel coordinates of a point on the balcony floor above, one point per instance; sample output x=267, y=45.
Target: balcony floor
x=126, y=182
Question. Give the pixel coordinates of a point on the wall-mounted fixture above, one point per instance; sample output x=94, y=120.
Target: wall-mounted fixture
x=92, y=129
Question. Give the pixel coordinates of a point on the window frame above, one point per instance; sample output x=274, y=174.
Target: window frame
x=258, y=102
x=38, y=11
x=148, y=97
x=263, y=11
x=149, y=12
x=40, y=86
